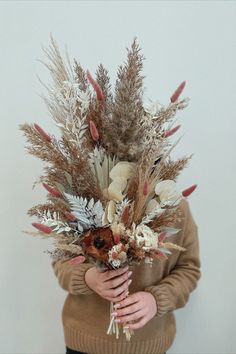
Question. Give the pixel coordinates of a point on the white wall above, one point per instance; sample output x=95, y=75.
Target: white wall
x=191, y=40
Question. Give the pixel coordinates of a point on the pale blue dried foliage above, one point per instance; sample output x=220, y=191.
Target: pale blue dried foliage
x=88, y=212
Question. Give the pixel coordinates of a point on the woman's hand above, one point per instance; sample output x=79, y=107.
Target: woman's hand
x=111, y=284
x=139, y=307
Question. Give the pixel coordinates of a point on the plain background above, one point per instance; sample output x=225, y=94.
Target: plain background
x=181, y=40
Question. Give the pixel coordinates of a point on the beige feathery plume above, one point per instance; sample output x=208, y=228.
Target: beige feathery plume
x=171, y=245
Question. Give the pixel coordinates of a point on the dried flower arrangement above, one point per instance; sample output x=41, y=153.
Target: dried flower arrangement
x=112, y=196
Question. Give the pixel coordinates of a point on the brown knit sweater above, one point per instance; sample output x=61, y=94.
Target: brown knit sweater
x=86, y=315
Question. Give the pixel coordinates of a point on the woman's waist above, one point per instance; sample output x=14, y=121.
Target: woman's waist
x=91, y=314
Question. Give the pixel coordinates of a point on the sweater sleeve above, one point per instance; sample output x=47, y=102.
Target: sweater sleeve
x=173, y=291
x=72, y=277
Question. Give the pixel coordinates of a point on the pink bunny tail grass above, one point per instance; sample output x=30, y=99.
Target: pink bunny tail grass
x=178, y=92
x=93, y=131
x=116, y=238
x=43, y=228
x=52, y=190
x=189, y=190
x=125, y=215
x=77, y=260
x=70, y=216
x=145, y=188
x=96, y=87
x=171, y=131
x=162, y=236
x=43, y=134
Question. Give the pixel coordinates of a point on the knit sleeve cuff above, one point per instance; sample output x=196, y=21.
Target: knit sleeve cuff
x=162, y=299
x=78, y=283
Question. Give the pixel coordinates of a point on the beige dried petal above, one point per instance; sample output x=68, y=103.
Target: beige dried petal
x=164, y=186
x=116, y=188
x=122, y=169
x=152, y=204
x=105, y=193
x=111, y=210
x=120, y=183
x=166, y=190
x=115, y=194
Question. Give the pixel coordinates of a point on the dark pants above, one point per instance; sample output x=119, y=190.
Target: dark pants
x=71, y=351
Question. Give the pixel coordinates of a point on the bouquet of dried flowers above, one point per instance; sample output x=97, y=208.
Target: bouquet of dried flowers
x=112, y=196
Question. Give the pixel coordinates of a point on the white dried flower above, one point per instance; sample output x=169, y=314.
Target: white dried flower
x=169, y=196
x=145, y=237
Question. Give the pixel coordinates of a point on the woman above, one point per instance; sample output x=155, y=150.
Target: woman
x=153, y=295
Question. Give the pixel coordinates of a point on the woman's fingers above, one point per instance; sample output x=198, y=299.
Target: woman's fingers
x=139, y=324
x=132, y=308
x=119, y=297
x=115, y=293
x=117, y=281
x=131, y=317
x=109, y=274
x=131, y=299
